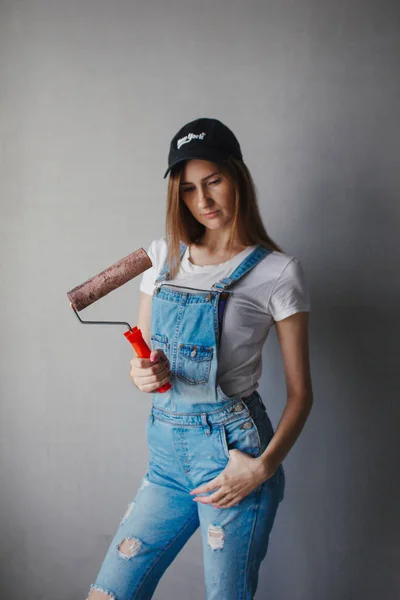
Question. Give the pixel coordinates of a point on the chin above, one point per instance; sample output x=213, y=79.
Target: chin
x=214, y=224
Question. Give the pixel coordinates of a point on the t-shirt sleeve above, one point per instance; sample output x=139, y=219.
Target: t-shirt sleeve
x=149, y=276
x=290, y=293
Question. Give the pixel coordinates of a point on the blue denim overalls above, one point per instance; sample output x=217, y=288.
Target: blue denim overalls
x=190, y=431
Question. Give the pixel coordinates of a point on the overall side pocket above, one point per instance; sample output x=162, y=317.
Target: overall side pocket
x=241, y=434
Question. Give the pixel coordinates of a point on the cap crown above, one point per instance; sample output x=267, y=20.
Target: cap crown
x=203, y=138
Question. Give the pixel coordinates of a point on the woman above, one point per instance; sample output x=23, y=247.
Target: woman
x=207, y=305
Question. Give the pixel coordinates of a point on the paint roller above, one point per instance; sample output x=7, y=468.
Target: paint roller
x=105, y=282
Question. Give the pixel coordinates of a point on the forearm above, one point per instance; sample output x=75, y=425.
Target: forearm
x=288, y=430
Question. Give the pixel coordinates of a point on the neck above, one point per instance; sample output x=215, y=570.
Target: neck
x=216, y=241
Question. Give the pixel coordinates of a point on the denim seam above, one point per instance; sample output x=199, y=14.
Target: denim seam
x=217, y=324
x=175, y=337
x=189, y=382
x=227, y=421
x=180, y=465
x=251, y=540
x=257, y=433
x=162, y=554
x=211, y=412
x=224, y=442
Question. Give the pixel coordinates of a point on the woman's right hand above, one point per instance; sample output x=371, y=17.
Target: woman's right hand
x=148, y=374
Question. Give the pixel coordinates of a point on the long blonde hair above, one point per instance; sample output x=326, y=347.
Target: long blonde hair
x=247, y=223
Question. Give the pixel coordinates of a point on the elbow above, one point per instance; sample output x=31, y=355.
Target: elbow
x=303, y=400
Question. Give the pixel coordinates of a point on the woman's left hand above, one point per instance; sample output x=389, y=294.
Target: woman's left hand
x=241, y=476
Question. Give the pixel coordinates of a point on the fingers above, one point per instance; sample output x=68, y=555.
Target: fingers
x=220, y=499
x=216, y=497
x=152, y=380
x=225, y=502
x=148, y=375
x=145, y=363
x=152, y=387
x=224, y=499
x=219, y=495
x=228, y=503
x=223, y=492
x=157, y=355
x=210, y=486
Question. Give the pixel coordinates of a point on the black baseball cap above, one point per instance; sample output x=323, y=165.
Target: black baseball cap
x=206, y=139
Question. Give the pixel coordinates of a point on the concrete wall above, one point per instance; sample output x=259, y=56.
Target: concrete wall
x=91, y=94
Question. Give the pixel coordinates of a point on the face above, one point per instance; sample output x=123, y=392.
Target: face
x=208, y=194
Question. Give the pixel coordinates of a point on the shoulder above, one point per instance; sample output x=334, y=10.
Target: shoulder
x=157, y=252
x=277, y=265
x=289, y=290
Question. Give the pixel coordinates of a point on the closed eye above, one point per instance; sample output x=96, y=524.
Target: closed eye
x=189, y=189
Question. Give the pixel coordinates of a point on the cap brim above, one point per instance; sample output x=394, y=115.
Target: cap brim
x=216, y=157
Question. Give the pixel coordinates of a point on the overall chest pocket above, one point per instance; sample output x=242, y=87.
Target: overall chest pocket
x=158, y=340
x=194, y=363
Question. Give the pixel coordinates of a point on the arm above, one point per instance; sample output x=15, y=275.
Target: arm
x=148, y=374
x=292, y=335
x=144, y=316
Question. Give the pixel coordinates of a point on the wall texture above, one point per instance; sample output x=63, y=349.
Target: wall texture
x=91, y=93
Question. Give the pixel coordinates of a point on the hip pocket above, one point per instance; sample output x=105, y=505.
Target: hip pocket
x=263, y=424
x=241, y=434
x=194, y=363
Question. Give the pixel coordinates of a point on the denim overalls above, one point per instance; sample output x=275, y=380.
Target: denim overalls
x=190, y=430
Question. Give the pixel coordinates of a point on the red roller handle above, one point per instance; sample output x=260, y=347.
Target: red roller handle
x=134, y=336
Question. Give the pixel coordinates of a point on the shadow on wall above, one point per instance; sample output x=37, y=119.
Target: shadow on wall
x=338, y=529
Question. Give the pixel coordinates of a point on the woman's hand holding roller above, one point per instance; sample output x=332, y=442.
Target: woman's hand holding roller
x=148, y=374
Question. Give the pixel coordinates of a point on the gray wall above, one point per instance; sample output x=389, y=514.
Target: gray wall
x=91, y=93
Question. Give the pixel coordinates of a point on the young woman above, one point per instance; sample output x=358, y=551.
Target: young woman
x=217, y=285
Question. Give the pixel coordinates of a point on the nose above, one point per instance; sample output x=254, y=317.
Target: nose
x=204, y=199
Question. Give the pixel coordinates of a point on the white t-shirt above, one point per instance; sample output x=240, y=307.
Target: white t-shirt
x=273, y=290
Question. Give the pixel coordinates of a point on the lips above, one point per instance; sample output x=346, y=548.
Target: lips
x=213, y=212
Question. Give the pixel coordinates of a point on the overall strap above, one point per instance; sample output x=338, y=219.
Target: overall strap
x=164, y=273
x=245, y=266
